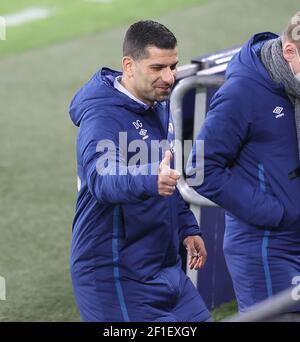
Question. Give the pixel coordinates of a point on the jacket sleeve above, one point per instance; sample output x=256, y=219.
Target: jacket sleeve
x=224, y=132
x=188, y=224
x=105, y=163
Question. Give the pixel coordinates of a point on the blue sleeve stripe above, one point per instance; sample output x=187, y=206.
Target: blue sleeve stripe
x=115, y=252
x=265, y=242
x=261, y=176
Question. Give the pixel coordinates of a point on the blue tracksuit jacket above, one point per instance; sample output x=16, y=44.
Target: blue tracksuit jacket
x=125, y=264
x=250, y=147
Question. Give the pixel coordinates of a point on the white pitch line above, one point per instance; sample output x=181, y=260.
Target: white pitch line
x=99, y=1
x=27, y=15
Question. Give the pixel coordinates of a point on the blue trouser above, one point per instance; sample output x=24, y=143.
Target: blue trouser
x=169, y=297
x=261, y=262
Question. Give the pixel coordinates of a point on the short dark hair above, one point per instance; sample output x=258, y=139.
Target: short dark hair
x=146, y=33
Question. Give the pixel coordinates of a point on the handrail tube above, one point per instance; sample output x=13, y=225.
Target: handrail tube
x=268, y=308
x=183, y=86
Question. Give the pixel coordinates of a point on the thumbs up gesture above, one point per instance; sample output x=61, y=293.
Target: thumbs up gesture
x=167, y=177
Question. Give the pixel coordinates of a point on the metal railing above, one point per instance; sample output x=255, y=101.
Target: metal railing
x=186, y=84
x=268, y=309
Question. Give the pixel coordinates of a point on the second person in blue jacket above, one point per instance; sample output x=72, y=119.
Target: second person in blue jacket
x=251, y=152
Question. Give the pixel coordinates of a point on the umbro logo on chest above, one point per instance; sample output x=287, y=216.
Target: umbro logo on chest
x=278, y=111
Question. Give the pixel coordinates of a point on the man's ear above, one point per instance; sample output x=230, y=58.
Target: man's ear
x=289, y=51
x=128, y=66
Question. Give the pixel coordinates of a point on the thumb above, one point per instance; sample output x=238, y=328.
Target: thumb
x=167, y=159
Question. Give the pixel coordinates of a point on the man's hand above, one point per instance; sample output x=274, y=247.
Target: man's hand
x=167, y=177
x=196, y=251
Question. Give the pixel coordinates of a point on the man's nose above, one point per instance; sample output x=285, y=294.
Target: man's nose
x=168, y=76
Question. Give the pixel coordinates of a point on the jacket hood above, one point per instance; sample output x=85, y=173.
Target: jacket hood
x=99, y=92
x=246, y=63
